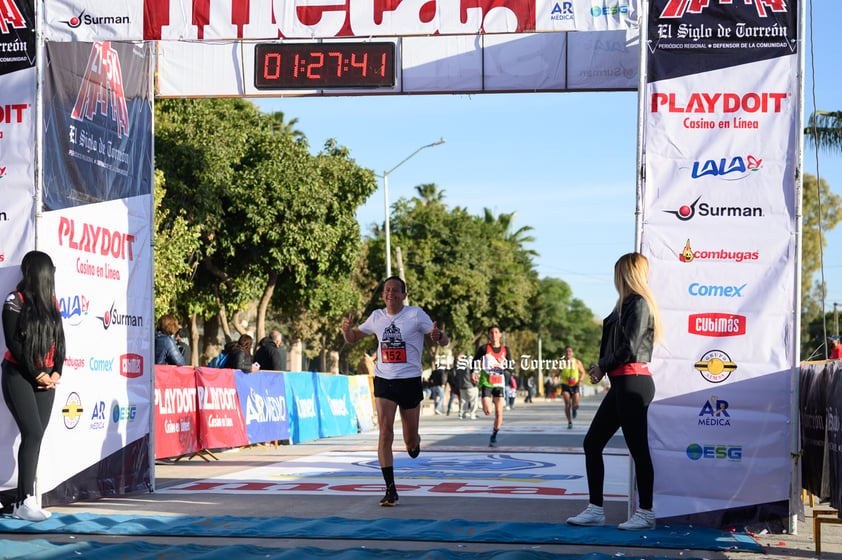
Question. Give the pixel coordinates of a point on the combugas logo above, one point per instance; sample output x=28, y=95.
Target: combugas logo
x=715, y=365
x=10, y=17
x=687, y=212
x=688, y=255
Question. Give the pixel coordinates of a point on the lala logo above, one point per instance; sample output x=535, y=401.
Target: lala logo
x=714, y=168
x=102, y=87
x=10, y=16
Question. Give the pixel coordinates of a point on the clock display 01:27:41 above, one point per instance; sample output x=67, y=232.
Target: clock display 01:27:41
x=324, y=65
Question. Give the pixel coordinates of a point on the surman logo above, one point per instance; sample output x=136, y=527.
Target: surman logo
x=102, y=87
x=10, y=16
x=75, y=21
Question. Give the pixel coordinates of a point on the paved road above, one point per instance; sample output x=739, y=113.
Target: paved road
x=342, y=479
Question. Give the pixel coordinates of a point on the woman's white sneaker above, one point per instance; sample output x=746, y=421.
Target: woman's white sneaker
x=29, y=510
x=643, y=519
x=592, y=516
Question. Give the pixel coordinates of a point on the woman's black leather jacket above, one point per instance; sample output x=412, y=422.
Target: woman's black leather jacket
x=627, y=337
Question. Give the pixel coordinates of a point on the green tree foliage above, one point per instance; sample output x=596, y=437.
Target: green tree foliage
x=817, y=202
x=275, y=223
x=563, y=320
x=824, y=128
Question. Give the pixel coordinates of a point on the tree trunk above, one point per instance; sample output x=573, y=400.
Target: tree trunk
x=194, y=340
x=271, y=282
x=211, y=346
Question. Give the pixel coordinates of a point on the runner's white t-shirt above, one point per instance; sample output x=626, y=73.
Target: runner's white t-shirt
x=401, y=340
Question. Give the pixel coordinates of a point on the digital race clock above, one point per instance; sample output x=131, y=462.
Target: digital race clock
x=324, y=65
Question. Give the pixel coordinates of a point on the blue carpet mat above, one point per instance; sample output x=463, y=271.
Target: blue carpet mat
x=454, y=530
x=43, y=550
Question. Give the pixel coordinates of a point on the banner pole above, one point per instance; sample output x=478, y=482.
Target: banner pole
x=39, y=120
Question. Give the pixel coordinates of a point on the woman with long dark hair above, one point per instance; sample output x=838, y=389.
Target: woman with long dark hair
x=31, y=369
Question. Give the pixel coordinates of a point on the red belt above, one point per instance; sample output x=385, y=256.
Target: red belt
x=634, y=368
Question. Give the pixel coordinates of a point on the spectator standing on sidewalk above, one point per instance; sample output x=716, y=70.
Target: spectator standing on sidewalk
x=468, y=391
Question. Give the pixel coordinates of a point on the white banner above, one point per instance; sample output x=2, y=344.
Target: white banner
x=460, y=63
x=189, y=20
x=719, y=227
x=103, y=260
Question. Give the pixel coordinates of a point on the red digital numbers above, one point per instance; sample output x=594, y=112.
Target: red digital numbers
x=324, y=65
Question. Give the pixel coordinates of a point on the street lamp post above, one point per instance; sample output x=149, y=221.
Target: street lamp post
x=386, y=202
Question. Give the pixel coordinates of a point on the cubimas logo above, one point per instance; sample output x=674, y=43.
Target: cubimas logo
x=10, y=17
x=715, y=365
x=131, y=365
x=688, y=255
x=687, y=212
x=86, y=19
x=677, y=8
x=716, y=324
x=729, y=169
x=72, y=411
x=102, y=89
x=562, y=11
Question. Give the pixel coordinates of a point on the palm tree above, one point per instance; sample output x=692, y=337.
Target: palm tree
x=825, y=130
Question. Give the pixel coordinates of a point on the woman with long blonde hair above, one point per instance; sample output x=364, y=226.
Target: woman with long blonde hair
x=628, y=335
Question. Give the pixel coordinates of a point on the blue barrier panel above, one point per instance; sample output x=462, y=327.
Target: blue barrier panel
x=263, y=401
x=301, y=399
x=333, y=399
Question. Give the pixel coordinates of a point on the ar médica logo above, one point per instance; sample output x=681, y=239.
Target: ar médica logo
x=102, y=88
x=10, y=17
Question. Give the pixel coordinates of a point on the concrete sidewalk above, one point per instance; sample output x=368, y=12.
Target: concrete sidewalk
x=528, y=428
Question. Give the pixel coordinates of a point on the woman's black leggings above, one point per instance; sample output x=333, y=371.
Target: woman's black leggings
x=624, y=406
x=31, y=409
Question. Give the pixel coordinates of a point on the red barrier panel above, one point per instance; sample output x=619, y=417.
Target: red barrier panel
x=221, y=422
x=176, y=411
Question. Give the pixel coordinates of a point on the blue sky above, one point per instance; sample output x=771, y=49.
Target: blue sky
x=563, y=162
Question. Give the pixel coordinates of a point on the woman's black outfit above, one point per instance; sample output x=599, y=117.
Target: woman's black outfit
x=626, y=346
x=30, y=406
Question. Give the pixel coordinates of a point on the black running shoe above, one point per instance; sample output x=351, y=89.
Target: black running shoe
x=415, y=451
x=391, y=497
